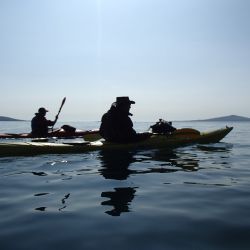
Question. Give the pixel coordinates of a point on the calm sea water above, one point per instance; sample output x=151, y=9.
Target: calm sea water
x=194, y=197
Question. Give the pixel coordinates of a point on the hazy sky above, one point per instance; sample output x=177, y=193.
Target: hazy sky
x=178, y=59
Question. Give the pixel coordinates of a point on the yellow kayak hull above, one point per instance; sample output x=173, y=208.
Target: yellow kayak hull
x=156, y=141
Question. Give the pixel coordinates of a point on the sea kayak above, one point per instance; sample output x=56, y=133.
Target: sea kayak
x=180, y=138
x=94, y=134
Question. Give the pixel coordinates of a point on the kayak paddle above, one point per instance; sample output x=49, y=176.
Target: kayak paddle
x=63, y=101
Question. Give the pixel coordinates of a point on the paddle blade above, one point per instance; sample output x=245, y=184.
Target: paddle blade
x=63, y=101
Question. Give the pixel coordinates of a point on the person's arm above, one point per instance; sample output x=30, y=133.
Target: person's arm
x=52, y=123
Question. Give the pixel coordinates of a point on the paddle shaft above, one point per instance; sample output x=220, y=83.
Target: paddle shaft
x=63, y=101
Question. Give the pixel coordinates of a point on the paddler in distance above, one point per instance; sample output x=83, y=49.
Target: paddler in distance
x=116, y=125
x=40, y=125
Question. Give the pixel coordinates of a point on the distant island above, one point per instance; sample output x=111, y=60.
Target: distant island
x=9, y=119
x=229, y=118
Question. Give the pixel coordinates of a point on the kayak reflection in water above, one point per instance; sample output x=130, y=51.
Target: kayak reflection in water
x=39, y=123
x=116, y=125
x=119, y=165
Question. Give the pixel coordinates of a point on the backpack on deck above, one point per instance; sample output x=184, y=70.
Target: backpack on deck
x=162, y=127
x=68, y=128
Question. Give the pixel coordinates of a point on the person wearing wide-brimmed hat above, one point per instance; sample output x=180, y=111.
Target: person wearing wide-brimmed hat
x=39, y=123
x=116, y=125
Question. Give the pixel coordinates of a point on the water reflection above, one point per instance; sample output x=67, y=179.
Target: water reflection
x=119, y=199
x=115, y=165
x=63, y=201
x=40, y=194
x=119, y=165
x=39, y=173
x=42, y=209
x=218, y=147
x=186, y=161
x=218, y=153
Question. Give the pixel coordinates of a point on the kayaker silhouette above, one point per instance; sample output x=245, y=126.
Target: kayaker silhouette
x=39, y=123
x=116, y=125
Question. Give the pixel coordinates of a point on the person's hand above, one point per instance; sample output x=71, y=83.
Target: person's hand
x=144, y=135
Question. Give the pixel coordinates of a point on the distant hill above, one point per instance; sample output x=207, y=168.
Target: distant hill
x=229, y=118
x=8, y=119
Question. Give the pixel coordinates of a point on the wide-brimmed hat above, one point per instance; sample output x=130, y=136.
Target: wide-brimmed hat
x=123, y=100
x=42, y=110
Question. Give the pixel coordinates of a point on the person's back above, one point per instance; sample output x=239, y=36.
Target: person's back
x=39, y=124
x=116, y=125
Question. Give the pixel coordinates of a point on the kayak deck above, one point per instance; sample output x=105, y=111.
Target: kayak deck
x=57, y=133
x=155, y=141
